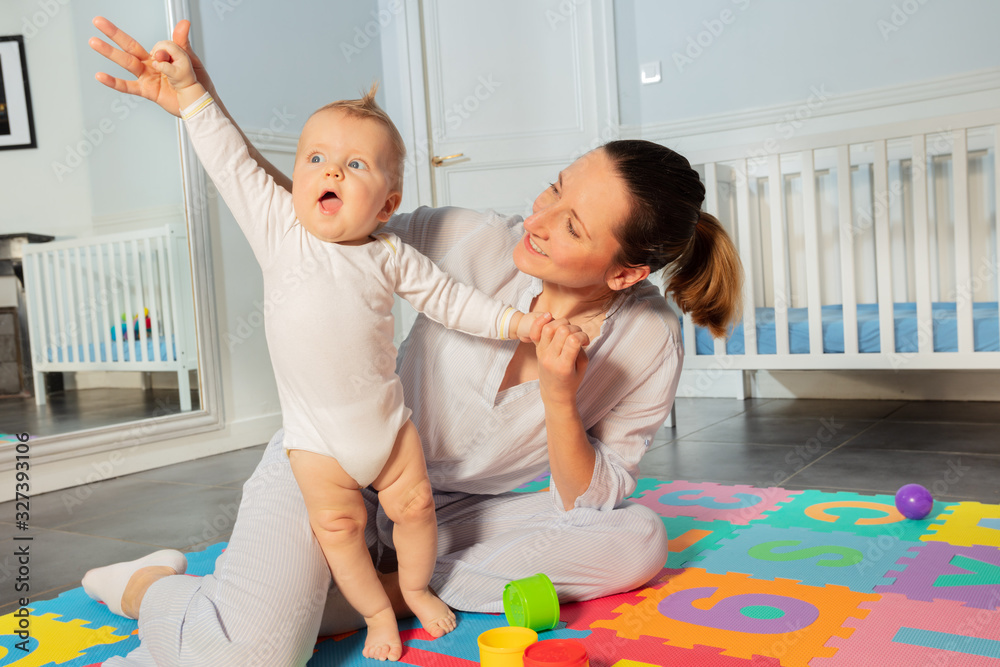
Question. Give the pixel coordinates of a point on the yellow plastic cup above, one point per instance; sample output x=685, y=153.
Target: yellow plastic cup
x=504, y=647
x=531, y=603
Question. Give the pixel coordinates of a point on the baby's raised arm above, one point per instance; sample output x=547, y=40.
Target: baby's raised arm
x=261, y=207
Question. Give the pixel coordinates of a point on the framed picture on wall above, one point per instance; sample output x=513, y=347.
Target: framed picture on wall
x=17, y=125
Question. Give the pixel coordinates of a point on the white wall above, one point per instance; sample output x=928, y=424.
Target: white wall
x=276, y=64
x=34, y=197
x=720, y=56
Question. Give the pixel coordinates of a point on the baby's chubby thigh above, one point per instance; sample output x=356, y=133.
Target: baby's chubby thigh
x=332, y=496
x=405, y=492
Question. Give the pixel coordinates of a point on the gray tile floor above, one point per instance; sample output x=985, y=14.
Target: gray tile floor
x=864, y=446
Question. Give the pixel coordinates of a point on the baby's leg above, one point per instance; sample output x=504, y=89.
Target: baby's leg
x=337, y=517
x=405, y=495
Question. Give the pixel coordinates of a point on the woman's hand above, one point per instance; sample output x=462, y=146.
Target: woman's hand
x=132, y=57
x=562, y=361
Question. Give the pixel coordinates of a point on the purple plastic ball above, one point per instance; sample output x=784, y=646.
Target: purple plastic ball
x=914, y=501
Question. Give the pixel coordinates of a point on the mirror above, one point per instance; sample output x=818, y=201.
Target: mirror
x=101, y=263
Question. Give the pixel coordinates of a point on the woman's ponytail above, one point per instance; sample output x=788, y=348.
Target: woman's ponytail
x=667, y=228
x=708, y=279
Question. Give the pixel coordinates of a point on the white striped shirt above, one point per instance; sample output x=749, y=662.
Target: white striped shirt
x=477, y=440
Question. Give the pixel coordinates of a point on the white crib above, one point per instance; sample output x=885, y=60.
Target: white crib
x=78, y=290
x=872, y=248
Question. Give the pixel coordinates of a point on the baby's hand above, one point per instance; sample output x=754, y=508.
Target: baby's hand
x=529, y=328
x=174, y=64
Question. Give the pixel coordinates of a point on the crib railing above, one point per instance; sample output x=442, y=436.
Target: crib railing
x=877, y=215
x=112, y=302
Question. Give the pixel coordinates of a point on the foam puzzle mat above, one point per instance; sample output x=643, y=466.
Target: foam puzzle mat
x=756, y=577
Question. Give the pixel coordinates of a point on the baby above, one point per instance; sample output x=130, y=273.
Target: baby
x=330, y=279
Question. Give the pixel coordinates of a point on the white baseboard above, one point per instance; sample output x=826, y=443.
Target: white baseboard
x=856, y=384
x=879, y=385
x=106, y=380
x=711, y=383
x=125, y=380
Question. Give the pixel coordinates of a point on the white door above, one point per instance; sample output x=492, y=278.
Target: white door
x=520, y=88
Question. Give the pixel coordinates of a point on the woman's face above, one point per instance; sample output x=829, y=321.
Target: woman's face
x=569, y=236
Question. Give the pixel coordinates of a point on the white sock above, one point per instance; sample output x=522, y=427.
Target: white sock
x=107, y=584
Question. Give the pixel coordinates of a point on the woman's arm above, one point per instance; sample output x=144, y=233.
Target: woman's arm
x=562, y=362
x=597, y=467
x=149, y=83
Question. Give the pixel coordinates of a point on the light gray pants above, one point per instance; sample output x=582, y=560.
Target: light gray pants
x=271, y=594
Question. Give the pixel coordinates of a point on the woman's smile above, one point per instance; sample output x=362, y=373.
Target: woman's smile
x=532, y=246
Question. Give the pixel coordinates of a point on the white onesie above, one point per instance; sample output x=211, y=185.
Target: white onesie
x=328, y=309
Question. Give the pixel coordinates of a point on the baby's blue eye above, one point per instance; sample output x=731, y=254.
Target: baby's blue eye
x=316, y=157
x=357, y=164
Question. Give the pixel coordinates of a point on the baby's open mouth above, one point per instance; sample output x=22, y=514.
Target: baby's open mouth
x=330, y=203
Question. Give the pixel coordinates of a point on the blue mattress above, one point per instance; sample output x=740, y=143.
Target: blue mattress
x=76, y=354
x=986, y=330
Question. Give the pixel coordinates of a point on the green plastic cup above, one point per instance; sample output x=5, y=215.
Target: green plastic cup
x=531, y=603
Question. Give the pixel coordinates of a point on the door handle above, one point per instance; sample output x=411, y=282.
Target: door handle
x=438, y=161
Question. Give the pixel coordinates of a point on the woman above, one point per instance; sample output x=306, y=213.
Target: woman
x=492, y=414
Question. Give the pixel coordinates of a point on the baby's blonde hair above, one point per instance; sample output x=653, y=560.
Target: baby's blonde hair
x=367, y=107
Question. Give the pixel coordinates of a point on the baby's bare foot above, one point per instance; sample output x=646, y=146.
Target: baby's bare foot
x=433, y=614
x=383, y=642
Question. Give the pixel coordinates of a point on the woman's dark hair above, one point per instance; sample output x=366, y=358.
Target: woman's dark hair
x=667, y=228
